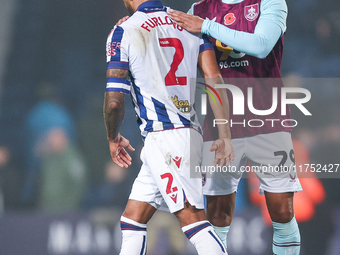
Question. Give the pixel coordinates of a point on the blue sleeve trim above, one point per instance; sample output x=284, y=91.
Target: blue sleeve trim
x=116, y=42
x=118, y=65
x=206, y=46
x=118, y=80
x=125, y=91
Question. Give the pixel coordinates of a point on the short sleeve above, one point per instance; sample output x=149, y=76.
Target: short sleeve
x=116, y=49
x=205, y=43
x=117, y=58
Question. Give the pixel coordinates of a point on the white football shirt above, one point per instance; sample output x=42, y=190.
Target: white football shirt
x=162, y=60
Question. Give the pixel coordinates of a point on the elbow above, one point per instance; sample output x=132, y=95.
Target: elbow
x=261, y=48
x=112, y=105
x=212, y=74
x=112, y=108
x=262, y=52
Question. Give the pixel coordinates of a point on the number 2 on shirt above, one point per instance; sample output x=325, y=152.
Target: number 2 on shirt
x=171, y=79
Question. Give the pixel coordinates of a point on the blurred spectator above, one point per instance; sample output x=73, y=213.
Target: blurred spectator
x=10, y=181
x=48, y=113
x=327, y=27
x=93, y=142
x=62, y=175
x=113, y=191
x=108, y=184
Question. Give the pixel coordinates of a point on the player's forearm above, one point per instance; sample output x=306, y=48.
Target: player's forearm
x=219, y=108
x=114, y=111
x=114, y=108
x=210, y=71
x=221, y=111
x=257, y=44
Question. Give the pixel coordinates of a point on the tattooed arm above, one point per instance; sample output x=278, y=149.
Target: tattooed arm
x=114, y=111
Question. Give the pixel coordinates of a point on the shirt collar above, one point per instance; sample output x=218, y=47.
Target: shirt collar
x=151, y=6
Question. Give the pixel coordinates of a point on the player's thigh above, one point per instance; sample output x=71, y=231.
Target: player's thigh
x=171, y=156
x=144, y=188
x=222, y=181
x=273, y=155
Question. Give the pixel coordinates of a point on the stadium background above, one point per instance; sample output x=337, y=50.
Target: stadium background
x=52, y=63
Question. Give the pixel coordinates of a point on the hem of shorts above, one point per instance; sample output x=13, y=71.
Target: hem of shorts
x=200, y=206
x=219, y=193
x=262, y=190
x=162, y=208
x=152, y=203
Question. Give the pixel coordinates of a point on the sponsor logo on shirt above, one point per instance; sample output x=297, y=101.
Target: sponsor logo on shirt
x=182, y=105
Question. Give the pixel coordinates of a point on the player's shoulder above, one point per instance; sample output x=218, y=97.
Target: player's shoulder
x=131, y=23
x=202, y=2
x=202, y=6
x=273, y=4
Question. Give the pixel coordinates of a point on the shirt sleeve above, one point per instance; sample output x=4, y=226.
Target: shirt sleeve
x=205, y=43
x=117, y=58
x=270, y=27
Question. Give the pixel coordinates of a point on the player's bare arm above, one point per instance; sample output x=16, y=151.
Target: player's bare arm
x=114, y=111
x=209, y=70
x=189, y=22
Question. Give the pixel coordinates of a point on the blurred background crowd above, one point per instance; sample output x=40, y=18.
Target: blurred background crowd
x=54, y=156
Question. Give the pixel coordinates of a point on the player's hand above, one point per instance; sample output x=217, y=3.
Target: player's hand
x=122, y=20
x=224, y=151
x=118, y=152
x=189, y=22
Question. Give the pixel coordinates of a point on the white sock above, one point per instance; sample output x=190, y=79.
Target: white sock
x=134, y=237
x=222, y=232
x=203, y=236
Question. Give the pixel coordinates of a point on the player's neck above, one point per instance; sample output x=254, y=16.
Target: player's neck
x=135, y=4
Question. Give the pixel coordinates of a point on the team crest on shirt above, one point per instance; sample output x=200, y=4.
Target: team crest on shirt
x=229, y=19
x=251, y=12
x=182, y=105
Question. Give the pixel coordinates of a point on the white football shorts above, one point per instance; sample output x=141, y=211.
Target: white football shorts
x=164, y=179
x=269, y=156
